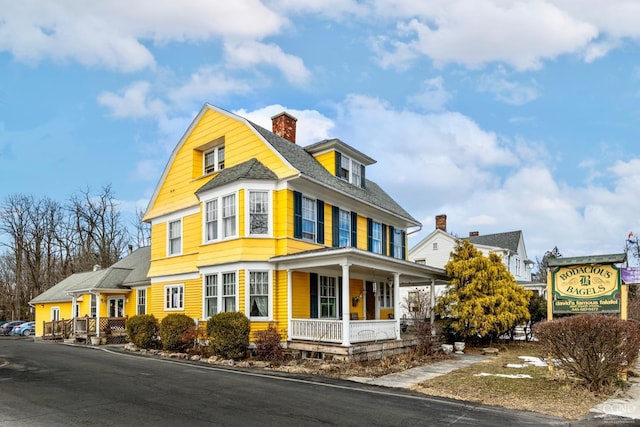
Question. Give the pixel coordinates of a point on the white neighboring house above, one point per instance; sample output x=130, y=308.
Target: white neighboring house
x=435, y=250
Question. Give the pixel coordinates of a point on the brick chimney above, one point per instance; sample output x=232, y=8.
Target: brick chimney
x=474, y=234
x=284, y=125
x=441, y=222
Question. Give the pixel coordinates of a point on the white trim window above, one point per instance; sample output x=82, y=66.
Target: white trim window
x=92, y=305
x=210, y=295
x=174, y=297
x=398, y=244
x=344, y=229
x=386, y=295
x=350, y=170
x=259, y=213
x=213, y=159
x=328, y=297
x=55, y=313
x=308, y=219
x=141, y=297
x=229, y=216
x=211, y=220
x=174, y=237
x=259, y=294
x=376, y=237
x=229, y=291
x=220, y=293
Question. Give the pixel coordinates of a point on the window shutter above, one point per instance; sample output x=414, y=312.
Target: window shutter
x=404, y=245
x=338, y=164
x=320, y=221
x=369, y=234
x=384, y=239
x=297, y=215
x=313, y=293
x=335, y=226
x=362, y=176
x=354, y=229
x=391, y=242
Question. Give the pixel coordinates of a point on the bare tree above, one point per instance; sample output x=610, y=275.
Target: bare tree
x=142, y=230
x=543, y=264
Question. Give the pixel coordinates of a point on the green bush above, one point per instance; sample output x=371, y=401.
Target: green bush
x=142, y=330
x=268, y=346
x=594, y=348
x=229, y=334
x=177, y=332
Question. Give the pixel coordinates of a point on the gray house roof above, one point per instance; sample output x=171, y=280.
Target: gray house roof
x=128, y=272
x=251, y=169
x=309, y=166
x=508, y=240
x=589, y=259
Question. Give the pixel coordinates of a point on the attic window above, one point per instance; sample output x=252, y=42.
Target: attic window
x=349, y=170
x=214, y=159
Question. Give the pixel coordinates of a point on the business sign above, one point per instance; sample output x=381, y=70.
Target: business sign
x=591, y=288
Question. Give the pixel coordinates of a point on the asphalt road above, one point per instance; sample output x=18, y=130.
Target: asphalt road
x=47, y=384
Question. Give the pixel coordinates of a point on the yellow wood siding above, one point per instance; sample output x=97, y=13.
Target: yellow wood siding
x=184, y=174
x=362, y=233
x=192, y=298
x=328, y=160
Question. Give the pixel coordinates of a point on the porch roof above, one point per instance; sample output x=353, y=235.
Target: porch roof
x=362, y=264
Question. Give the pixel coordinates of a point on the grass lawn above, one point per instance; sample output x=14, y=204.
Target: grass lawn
x=548, y=392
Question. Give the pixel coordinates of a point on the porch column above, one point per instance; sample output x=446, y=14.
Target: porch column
x=396, y=302
x=345, y=305
x=432, y=310
x=289, y=304
x=74, y=301
x=97, y=317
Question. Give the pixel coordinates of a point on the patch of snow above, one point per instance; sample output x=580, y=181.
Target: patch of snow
x=516, y=376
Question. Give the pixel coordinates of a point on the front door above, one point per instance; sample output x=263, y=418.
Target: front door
x=116, y=306
x=370, y=307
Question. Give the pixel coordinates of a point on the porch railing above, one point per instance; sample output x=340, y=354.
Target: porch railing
x=58, y=329
x=330, y=330
x=112, y=328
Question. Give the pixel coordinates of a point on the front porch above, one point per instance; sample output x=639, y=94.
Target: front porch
x=345, y=302
x=82, y=329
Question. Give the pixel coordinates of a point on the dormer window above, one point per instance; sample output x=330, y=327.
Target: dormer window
x=214, y=160
x=350, y=170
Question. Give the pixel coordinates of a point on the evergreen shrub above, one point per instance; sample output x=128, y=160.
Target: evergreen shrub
x=177, y=332
x=142, y=330
x=229, y=334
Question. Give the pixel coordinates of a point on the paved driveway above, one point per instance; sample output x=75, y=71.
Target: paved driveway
x=47, y=384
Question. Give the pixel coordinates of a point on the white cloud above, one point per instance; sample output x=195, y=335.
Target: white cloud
x=506, y=90
x=521, y=34
x=207, y=83
x=312, y=126
x=113, y=34
x=133, y=101
x=248, y=54
x=433, y=97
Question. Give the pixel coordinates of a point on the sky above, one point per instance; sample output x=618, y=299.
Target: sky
x=503, y=115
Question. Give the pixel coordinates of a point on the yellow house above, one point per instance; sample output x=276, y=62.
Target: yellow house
x=94, y=302
x=244, y=219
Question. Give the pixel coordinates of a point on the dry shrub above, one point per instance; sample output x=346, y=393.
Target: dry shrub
x=268, y=346
x=177, y=332
x=594, y=348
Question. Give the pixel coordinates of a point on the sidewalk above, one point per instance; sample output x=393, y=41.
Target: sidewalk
x=411, y=377
x=627, y=405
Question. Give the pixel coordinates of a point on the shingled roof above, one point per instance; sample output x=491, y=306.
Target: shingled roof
x=508, y=240
x=300, y=159
x=251, y=169
x=129, y=271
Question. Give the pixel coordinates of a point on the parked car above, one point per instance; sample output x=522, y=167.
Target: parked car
x=7, y=327
x=24, y=329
